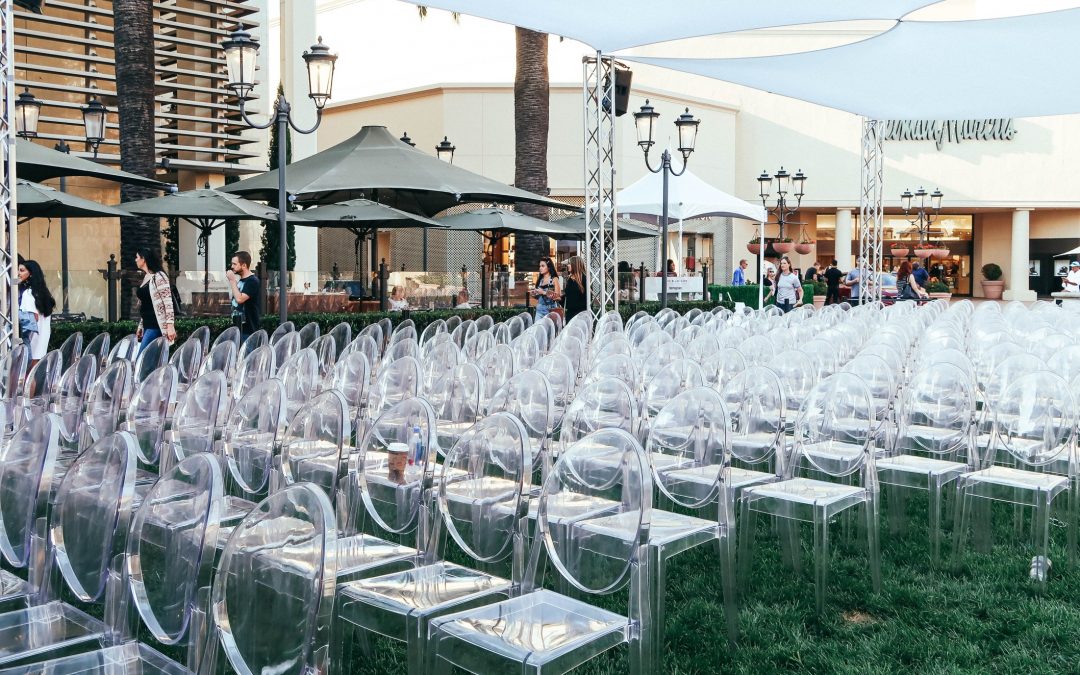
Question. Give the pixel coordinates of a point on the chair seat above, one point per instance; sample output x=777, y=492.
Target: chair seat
x=422, y=590
x=563, y=507
x=364, y=551
x=664, y=526
x=534, y=630
x=131, y=657
x=921, y=465
x=30, y=632
x=1018, y=478
x=806, y=491
x=752, y=444
x=738, y=477
x=11, y=586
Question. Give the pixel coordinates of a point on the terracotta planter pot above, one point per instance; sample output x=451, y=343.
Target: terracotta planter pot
x=754, y=248
x=803, y=249
x=899, y=252
x=925, y=252
x=819, y=301
x=993, y=289
x=783, y=246
x=940, y=296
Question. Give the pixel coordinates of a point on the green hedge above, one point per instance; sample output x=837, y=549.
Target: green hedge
x=748, y=294
x=184, y=327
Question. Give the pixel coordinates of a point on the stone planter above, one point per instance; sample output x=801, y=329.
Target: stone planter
x=804, y=248
x=819, y=301
x=783, y=246
x=899, y=252
x=992, y=290
x=754, y=248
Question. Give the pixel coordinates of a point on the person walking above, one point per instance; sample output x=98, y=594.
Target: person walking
x=833, y=275
x=547, y=291
x=156, y=317
x=738, y=277
x=36, y=300
x=244, y=290
x=788, y=287
x=576, y=288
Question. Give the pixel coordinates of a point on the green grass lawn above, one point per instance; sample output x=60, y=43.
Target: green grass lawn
x=986, y=617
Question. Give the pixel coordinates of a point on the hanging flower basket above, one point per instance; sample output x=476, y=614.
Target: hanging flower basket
x=899, y=251
x=754, y=248
x=804, y=247
x=783, y=246
x=925, y=252
x=941, y=252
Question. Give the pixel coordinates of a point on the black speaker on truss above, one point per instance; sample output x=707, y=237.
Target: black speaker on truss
x=623, y=76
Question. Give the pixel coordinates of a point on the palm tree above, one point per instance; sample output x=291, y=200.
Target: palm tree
x=531, y=117
x=133, y=22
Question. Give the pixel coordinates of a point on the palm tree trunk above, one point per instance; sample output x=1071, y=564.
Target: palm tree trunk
x=134, y=38
x=531, y=113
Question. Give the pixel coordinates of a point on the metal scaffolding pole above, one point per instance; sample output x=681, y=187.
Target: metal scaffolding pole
x=601, y=244
x=871, y=220
x=9, y=245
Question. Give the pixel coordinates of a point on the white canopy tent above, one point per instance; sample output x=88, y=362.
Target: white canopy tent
x=611, y=25
x=1019, y=66
x=688, y=197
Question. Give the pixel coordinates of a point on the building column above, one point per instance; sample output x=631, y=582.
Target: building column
x=1016, y=277
x=843, y=239
x=297, y=34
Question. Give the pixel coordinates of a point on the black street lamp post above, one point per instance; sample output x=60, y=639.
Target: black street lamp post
x=687, y=126
x=785, y=182
x=924, y=213
x=240, y=55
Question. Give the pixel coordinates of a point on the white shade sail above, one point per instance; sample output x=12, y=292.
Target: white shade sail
x=1022, y=66
x=688, y=197
x=610, y=25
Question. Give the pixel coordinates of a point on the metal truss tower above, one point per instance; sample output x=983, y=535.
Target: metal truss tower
x=601, y=244
x=871, y=215
x=9, y=289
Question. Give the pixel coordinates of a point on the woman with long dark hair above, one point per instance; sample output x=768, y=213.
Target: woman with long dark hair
x=576, y=288
x=35, y=298
x=907, y=287
x=547, y=291
x=156, y=316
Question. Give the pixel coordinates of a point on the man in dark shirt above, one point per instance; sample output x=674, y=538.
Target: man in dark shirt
x=922, y=277
x=833, y=275
x=244, y=288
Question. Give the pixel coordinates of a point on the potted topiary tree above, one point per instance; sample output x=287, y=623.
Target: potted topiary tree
x=992, y=283
x=938, y=290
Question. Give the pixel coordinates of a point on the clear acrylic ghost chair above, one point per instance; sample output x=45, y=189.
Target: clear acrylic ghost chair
x=435, y=342
x=127, y=348
x=497, y=365
x=398, y=507
x=256, y=367
x=559, y=371
x=732, y=336
x=1001, y=379
x=459, y=333
x=300, y=375
x=105, y=403
x=403, y=333
x=754, y=399
x=674, y=379
x=366, y=345
x=400, y=349
x=249, y=443
x=833, y=436
x=27, y=470
x=650, y=344
x=574, y=349
x=612, y=346
x=482, y=495
x=880, y=378
x=287, y=545
x=550, y=329
x=308, y=334
x=194, y=420
x=437, y=368
x=351, y=377
x=152, y=357
x=71, y=395
x=202, y=334
x=1065, y=362
x=703, y=347
x=798, y=377
x=253, y=342
x=593, y=527
x=1036, y=432
x=98, y=348
x=603, y=404
x=149, y=411
x=719, y=368
x=396, y=382
x=313, y=445
x=375, y=332
x=620, y=366
x=87, y=528
x=288, y=345
x=435, y=327
x=231, y=334
x=342, y=334
x=526, y=350
x=386, y=328
x=658, y=360
x=479, y=345
x=515, y=326
x=221, y=357
x=934, y=425
x=457, y=404
x=325, y=349
x=690, y=459
x=528, y=396
x=758, y=350
x=187, y=361
x=40, y=388
x=70, y=350
x=452, y=323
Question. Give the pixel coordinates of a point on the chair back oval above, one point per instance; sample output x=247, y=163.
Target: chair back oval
x=604, y=403
x=342, y=334
x=300, y=375
x=222, y=357
x=250, y=437
x=187, y=360
x=231, y=334
x=281, y=331
x=151, y=357
x=197, y=414
x=528, y=397
x=71, y=397
x=27, y=467
x=936, y=412
x=106, y=399
x=309, y=334
x=256, y=367
x=459, y=403
x=834, y=430
x=677, y=377
x=149, y=410
x=688, y=448
x=311, y=447
x=98, y=348
x=70, y=350
x=395, y=382
x=1036, y=419
x=722, y=366
x=285, y=347
x=754, y=399
x=257, y=339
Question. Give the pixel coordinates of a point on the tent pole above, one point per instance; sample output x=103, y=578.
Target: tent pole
x=761, y=265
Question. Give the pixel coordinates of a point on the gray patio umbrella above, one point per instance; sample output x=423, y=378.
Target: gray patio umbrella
x=362, y=217
x=206, y=209
x=628, y=229
x=37, y=163
x=375, y=165
x=41, y=201
x=494, y=223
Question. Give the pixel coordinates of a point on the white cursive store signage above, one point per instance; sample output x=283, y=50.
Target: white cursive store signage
x=950, y=131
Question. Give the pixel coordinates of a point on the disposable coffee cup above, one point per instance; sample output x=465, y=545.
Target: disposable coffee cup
x=397, y=461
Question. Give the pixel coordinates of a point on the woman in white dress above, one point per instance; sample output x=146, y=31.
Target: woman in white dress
x=36, y=299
